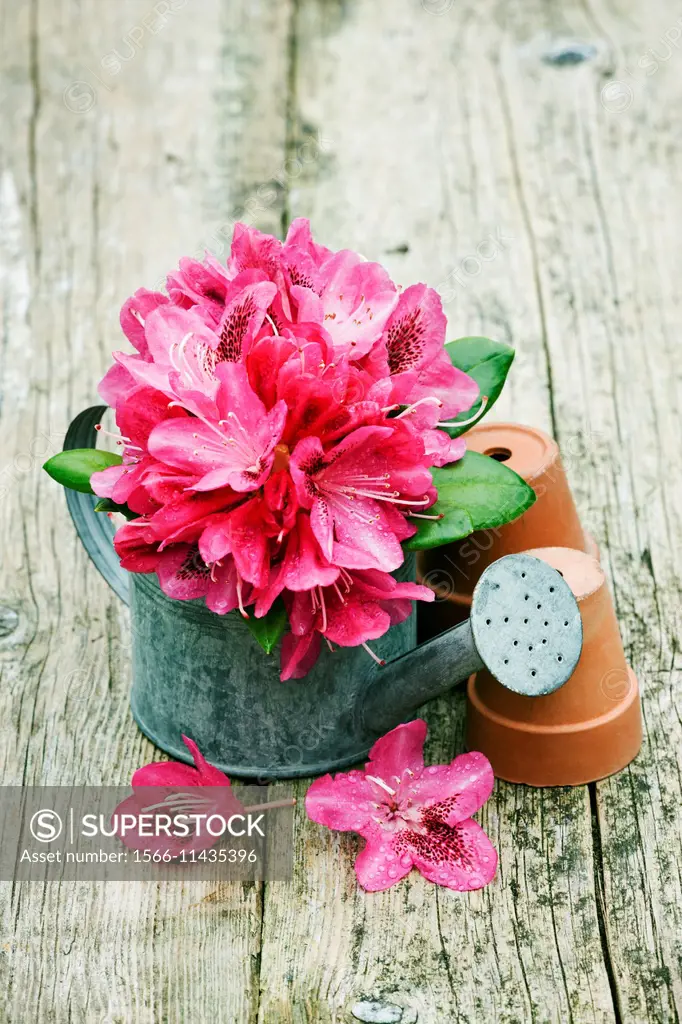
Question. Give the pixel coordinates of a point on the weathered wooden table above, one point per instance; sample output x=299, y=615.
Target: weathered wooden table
x=525, y=159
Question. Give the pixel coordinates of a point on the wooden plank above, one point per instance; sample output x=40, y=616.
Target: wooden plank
x=423, y=174
x=108, y=176
x=607, y=245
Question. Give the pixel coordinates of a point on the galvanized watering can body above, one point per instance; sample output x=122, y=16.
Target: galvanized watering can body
x=205, y=676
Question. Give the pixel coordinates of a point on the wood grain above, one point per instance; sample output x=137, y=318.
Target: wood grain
x=523, y=159
x=106, y=180
x=429, y=164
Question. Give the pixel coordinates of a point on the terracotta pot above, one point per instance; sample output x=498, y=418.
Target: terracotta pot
x=590, y=727
x=454, y=570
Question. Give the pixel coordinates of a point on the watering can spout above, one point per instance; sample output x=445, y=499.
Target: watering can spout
x=525, y=628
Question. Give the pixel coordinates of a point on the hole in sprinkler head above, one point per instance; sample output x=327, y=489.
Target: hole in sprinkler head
x=523, y=575
x=560, y=572
x=516, y=643
x=533, y=673
x=530, y=647
x=547, y=623
x=499, y=454
x=525, y=622
x=506, y=618
x=559, y=657
x=551, y=590
x=539, y=607
x=487, y=622
x=566, y=622
x=544, y=640
x=527, y=597
x=506, y=661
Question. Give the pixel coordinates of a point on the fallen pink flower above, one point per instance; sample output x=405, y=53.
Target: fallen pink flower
x=161, y=790
x=411, y=815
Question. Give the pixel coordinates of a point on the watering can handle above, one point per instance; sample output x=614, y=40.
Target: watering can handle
x=94, y=528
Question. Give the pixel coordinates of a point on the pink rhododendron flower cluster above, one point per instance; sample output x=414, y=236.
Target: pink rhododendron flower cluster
x=279, y=418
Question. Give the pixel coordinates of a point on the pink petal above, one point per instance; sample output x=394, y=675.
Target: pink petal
x=190, y=445
x=248, y=542
x=363, y=544
x=209, y=776
x=166, y=328
x=223, y=591
x=182, y=573
x=460, y=858
x=302, y=613
x=455, y=389
x=300, y=236
x=416, y=331
x=214, y=542
x=141, y=372
x=399, y=750
x=454, y=791
x=344, y=803
x=358, y=298
x=322, y=524
x=166, y=773
x=140, y=412
x=202, y=282
x=116, y=384
x=301, y=270
x=223, y=802
x=104, y=481
x=356, y=622
x=186, y=517
x=306, y=457
x=253, y=249
x=299, y=654
x=304, y=566
x=133, y=547
x=378, y=866
x=241, y=321
x=135, y=309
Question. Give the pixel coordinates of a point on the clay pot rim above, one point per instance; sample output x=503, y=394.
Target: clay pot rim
x=464, y=600
x=619, y=708
x=536, y=553
x=551, y=446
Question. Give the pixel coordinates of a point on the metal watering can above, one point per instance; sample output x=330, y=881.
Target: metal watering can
x=204, y=675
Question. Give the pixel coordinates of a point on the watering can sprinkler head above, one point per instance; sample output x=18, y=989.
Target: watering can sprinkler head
x=525, y=628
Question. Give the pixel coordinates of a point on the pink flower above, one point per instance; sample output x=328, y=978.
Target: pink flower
x=136, y=415
x=417, y=361
x=172, y=773
x=279, y=421
x=237, y=449
x=361, y=606
x=160, y=792
x=409, y=815
x=352, y=490
x=160, y=789
x=353, y=298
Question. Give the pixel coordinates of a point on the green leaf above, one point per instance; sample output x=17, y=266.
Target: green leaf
x=75, y=467
x=488, y=362
x=107, y=505
x=476, y=493
x=269, y=629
